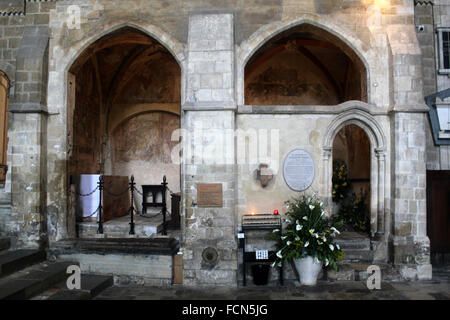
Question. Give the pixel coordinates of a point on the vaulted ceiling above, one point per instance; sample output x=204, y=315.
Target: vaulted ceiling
x=319, y=59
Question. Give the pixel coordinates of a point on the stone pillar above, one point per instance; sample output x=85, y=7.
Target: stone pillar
x=411, y=248
x=381, y=183
x=27, y=132
x=209, y=118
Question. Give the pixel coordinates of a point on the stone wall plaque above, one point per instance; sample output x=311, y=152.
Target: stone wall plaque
x=298, y=170
x=209, y=195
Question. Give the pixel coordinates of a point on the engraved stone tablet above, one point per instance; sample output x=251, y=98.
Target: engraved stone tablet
x=298, y=170
x=209, y=195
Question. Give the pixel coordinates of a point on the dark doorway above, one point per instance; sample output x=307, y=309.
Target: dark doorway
x=438, y=211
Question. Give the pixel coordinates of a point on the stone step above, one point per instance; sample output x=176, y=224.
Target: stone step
x=358, y=272
x=12, y=261
x=133, y=259
x=5, y=244
x=31, y=281
x=91, y=286
x=120, y=228
x=358, y=255
x=353, y=241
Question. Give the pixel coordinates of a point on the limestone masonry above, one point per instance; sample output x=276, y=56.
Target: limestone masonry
x=109, y=87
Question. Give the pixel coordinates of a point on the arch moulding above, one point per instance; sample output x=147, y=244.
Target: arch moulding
x=378, y=178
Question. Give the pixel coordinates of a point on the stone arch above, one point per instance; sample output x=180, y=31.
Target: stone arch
x=10, y=71
x=378, y=179
x=60, y=61
x=264, y=34
x=170, y=43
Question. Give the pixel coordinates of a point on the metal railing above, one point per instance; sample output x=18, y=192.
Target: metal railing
x=131, y=188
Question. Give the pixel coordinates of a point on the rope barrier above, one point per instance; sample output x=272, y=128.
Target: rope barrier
x=84, y=194
x=96, y=210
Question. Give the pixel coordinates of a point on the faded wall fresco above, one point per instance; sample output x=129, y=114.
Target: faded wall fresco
x=304, y=65
x=157, y=80
x=289, y=79
x=142, y=147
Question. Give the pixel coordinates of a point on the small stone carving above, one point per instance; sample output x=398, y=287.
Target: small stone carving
x=264, y=174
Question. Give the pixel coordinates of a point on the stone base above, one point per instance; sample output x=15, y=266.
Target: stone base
x=416, y=272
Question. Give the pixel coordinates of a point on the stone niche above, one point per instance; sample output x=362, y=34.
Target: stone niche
x=304, y=66
x=126, y=107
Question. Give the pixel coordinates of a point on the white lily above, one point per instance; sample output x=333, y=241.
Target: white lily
x=311, y=206
x=305, y=218
x=276, y=230
x=331, y=247
x=288, y=243
x=335, y=230
x=327, y=262
x=317, y=260
x=321, y=204
x=306, y=244
x=279, y=255
x=337, y=246
x=299, y=227
x=297, y=239
x=283, y=237
x=273, y=264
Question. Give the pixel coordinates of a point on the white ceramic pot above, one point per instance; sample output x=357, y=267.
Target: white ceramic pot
x=308, y=269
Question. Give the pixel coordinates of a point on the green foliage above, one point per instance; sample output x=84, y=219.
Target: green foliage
x=341, y=185
x=353, y=212
x=308, y=232
x=353, y=209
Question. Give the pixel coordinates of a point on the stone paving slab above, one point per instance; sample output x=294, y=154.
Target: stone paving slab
x=12, y=261
x=324, y=290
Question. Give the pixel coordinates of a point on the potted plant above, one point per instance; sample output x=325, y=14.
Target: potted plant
x=307, y=239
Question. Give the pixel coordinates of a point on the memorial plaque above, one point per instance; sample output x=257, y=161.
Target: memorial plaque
x=209, y=195
x=298, y=170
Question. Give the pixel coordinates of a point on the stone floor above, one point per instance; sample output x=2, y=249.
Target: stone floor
x=436, y=289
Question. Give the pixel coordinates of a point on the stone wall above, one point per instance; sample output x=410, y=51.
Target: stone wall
x=433, y=16
x=212, y=41
x=24, y=45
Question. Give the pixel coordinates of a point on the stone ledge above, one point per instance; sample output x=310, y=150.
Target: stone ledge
x=153, y=246
x=27, y=108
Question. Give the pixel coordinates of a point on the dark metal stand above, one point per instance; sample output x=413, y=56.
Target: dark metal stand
x=100, y=216
x=164, y=209
x=154, y=190
x=132, y=184
x=250, y=257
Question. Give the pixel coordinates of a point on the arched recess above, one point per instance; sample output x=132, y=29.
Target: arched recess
x=120, y=77
x=378, y=178
x=342, y=39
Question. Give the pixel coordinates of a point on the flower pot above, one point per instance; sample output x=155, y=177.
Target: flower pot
x=260, y=274
x=308, y=270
